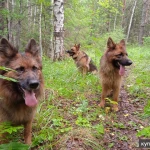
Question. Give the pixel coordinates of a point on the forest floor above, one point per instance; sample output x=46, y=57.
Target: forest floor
x=123, y=135
x=69, y=117
x=120, y=128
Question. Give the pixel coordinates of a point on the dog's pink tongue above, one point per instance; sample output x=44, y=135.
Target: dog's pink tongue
x=30, y=99
x=122, y=70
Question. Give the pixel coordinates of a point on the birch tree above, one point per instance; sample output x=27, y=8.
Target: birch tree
x=131, y=18
x=123, y=12
x=40, y=30
x=51, y=48
x=9, y=21
x=58, y=29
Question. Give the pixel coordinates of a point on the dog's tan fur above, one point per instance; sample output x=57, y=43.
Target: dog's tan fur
x=82, y=60
x=109, y=73
x=25, y=66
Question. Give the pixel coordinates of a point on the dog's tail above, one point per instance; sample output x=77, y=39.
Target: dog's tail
x=92, y=67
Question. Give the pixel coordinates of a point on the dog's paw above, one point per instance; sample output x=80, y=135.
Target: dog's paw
x=102, y=104
x=115, y=108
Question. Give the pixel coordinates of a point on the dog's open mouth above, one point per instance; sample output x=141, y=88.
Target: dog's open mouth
x=30, y=99
x=121, y=69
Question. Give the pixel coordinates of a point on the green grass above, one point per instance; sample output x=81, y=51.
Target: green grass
x=70, y=102
x=139, y=78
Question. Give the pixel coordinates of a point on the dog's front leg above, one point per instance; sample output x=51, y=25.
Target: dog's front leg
x=85, y=70
x=103, y=96
x=28, y=132
x=116, y=91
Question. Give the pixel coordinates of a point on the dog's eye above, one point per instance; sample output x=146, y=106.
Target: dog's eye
x=119, y=55
x=34, y=68
x=20, y=69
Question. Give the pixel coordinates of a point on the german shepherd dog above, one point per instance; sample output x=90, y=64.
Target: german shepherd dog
x=18, y=100
x=83, y=62
x=112, y=69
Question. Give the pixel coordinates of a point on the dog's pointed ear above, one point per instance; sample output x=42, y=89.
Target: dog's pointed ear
x=110, y=43
x=78, y=45
x=123, y=42
x=32, y=47
x=6, y=49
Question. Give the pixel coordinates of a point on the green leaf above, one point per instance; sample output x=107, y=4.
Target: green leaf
x=144, y=132
x=14, y=146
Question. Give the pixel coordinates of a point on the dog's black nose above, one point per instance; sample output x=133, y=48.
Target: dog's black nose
x=129, y=62
x=33, y=84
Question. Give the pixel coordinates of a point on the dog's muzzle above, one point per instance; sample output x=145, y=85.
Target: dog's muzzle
x=70, y=52
x=125, y=62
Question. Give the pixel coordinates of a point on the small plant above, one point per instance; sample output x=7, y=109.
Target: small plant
x=6, y=127
x=119, y=125
x=14, y=146
x=82, y=122
x=7, y=78
x=144, y=132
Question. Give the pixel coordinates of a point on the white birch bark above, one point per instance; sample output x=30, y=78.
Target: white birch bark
x=29, y=13
x=34, y=18
x=40, y=31
x=18, y=28
x=58, y=29
x=130, y=23
x=51, y=48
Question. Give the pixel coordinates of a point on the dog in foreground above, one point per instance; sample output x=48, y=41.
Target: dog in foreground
x=18, y=100
x=83, y=62
x=112, y=69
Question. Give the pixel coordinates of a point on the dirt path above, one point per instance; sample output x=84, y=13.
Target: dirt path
x=121, y=129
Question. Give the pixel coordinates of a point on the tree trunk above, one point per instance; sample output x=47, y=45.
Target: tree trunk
x=9, y=22
x=130, y=23
x=18, y=29
x=34, y=18
x=115, y=20
x=143, y=21
x=2, y=19
x=123, y=12
x=58, y=29
x=51, y=48
x=40, y=31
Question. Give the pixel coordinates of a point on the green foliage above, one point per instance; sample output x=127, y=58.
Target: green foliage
x=139, y=79
x=119, y=125
x=146, y=40
x=110, y=5
x=14, y=146
x=7, y=78
x=144, y=132
x=99, y=129
x=147, y=109
x=7, y=127
x=82, y=121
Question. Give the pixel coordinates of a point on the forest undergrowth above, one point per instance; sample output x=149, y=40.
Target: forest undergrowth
x=68, y=117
